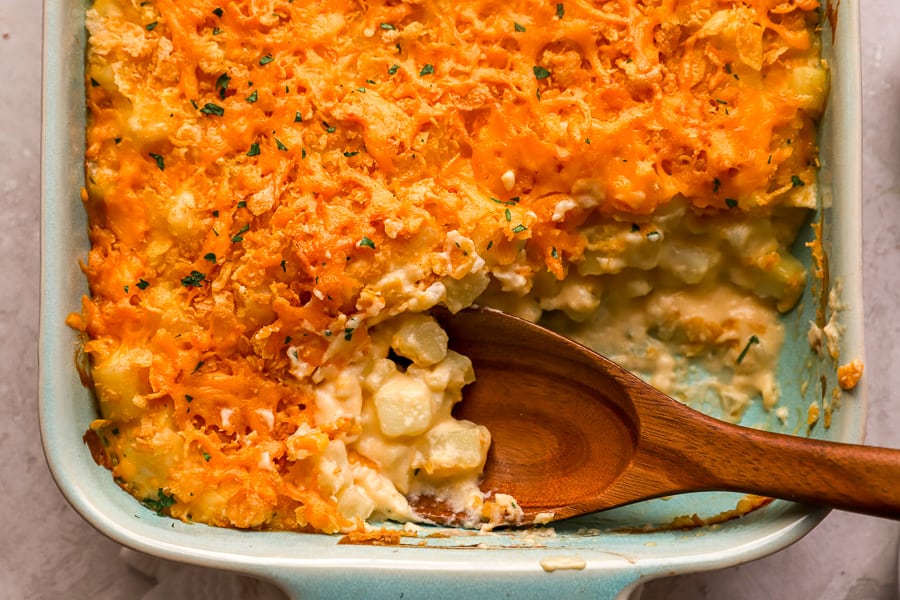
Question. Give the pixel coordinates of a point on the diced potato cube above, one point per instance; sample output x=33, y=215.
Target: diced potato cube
x=404, y=406
x=421, y=340
x=451, y=374
x=456, y=447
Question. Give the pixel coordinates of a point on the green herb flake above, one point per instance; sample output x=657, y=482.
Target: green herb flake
x=206, y=456
x=540, y=72
x=142, y=284
x=328, y=128
x=519, y=228
x=212, y=109
x=731, y=202
x=349, y=154
x=348, y=334
x=519, y=28
x=393, y=69
x=152, y=26
x=302, y=152
x=796, y=181
x=239, y=236
x=193, y=280
x=94, y=82
x=554, y=253
x=387, y=26
x=265, y=60
x=560, y=11
x=508, y=215
x=218, y=12
x=283, y=266
x=217, y=30
x=210, y=257
x=254, y=149
x=160, y=161
x=160, y=503
x=242, y=204
x=222, y=84
x=253, y=97
x=188, y=398
x=367, y=242
x=280, y=146
x=428, y=69
x=753, y=340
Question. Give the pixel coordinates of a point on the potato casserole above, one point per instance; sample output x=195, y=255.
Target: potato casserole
x=279, y=191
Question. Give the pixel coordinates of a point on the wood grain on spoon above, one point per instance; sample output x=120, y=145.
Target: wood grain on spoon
x=573, y=433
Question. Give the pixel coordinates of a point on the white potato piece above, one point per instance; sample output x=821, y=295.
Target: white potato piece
x=421, y=340
x=404, y=406
x=455, y=447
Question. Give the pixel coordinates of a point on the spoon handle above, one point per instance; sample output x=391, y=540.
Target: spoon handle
x=722, y=456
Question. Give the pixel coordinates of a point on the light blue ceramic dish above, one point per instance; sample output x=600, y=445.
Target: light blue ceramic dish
x=314, y=566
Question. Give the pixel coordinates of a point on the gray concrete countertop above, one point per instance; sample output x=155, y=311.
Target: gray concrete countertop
x=48, y=552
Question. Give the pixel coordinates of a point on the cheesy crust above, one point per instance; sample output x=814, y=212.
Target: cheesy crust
x=279, y=191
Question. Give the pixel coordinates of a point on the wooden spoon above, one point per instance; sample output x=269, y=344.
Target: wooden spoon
x=574, y=433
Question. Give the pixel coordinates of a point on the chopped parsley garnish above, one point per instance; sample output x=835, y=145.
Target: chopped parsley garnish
x=540, y=72
x=731, y=202
x=753, y=340
x=428, y=69
x=283, y=265
x=193, y=280
x=212, y=109
x=242, y=204
x=393, y=69
x=142, y=284
x=254, y=149
x=796, y=181
x=160, y=161
x=519, y=228
x=239, y=236
x=328, y=128
x=152, y=26
x=253, y=97
x=222, y=84
x=554, y=253
x=280, y=146
x=508, y=215
x=388, y=26
x=302, y=152
x=560, y=11
x=265, y=60
x=298, y=118
x=367, y=242
x=216, y=31
x=519, y=28
x=210, y=256
x=635, y=227
x=160, y=503
x=206, y=456
x=349, y=154
x=94, y=82
x=716, y=185
x=218, y=12
x=188, y=398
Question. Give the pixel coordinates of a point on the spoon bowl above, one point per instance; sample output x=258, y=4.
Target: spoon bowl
x=573, y=433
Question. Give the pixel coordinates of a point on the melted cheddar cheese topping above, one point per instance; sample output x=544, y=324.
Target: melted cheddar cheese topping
x=279, y=191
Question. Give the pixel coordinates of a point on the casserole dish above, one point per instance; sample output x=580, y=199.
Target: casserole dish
x=611, y=556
